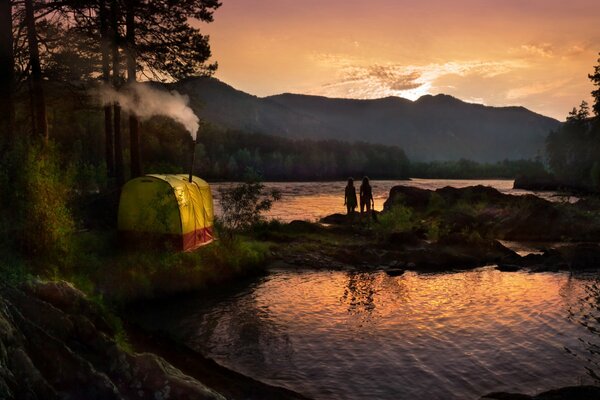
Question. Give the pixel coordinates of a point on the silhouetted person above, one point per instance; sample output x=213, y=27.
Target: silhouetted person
x=350, y=197
x=366, y=196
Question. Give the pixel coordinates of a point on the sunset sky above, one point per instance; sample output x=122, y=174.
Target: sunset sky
x=535, y=53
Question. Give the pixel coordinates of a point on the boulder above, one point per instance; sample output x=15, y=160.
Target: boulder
x=409, y=196
x=508, y=267
x=537, y=183
x=566, y=393
x=581, y=256
x=51, y=347
x=394, y=271
x=339, y=219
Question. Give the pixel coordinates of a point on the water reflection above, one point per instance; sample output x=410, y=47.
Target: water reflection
x=359, y=293
x=362, y=293
x=584, y=309
x=340, y=335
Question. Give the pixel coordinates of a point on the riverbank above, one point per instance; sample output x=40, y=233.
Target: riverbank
x=47, y=322
x=57, y=344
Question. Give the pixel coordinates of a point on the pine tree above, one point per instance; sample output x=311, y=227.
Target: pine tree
x=7, y=74
x=595, y=78
x=39, y=101
x=161, y=42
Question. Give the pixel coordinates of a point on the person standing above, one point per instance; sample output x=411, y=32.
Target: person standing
x=350, y=197
x=366, y=196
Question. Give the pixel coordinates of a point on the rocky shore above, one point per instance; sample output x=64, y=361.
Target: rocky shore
x=57, y=344
x=471, y=225
x=567, y=393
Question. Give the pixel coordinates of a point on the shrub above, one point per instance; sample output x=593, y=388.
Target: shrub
x=398, y=219
x=243, y=205
x=35, y=194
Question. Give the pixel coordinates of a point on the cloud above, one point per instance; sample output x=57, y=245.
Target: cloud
x=409, y=81
x=576, y=50
x=388, y=76
x=545, y=50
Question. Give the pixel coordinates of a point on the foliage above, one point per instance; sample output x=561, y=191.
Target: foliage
x=242, y=205
x=37, y=220
x=595, y=78
x=398, y=219
x=227, y=154
x=574, y=148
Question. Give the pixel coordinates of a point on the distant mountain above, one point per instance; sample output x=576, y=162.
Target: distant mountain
x=437, y=127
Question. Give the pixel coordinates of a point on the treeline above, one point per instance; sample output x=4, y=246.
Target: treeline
x=227, y=155
x=574, y=149
x=467, y=169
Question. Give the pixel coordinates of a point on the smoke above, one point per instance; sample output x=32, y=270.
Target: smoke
x=147, y=102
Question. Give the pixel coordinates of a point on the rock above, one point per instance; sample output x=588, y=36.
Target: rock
x=492, y=213
x=409, y=196
x=544, y=268
x=581, y=256
x=472, y=194
x=64, y=296
x=566, y=393
x=338, y=219
x=457, y=222
x=536, y=183
x=159, y=380
x=508, y=267
x=394, y=271
x=51, y=348
x=457, y=251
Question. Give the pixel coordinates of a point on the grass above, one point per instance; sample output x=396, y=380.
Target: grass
x=113, y=277
x=122, y=276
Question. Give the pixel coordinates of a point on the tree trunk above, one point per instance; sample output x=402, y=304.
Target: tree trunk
x=7, y=75
x=134, y=123
x=116, y=59
x=41, y=121
x=108, y=127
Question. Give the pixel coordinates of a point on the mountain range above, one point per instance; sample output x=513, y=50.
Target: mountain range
x=439, y=127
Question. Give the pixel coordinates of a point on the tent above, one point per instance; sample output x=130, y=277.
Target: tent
x=159, y=209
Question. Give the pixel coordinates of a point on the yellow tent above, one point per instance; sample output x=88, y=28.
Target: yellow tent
x=167, y=208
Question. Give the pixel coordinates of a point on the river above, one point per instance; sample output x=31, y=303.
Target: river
x=314, y=200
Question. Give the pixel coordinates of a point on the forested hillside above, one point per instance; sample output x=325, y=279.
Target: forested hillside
x=432, y=128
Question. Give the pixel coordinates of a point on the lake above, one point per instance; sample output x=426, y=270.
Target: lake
x=313, y=200
x=354, y=335
x=366, y=335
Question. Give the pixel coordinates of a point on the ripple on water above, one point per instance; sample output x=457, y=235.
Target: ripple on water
x=340, y=335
